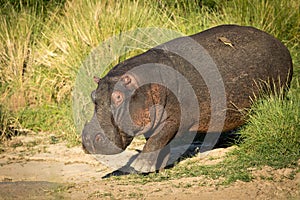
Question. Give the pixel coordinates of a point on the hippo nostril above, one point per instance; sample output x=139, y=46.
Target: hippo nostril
x=97, y=138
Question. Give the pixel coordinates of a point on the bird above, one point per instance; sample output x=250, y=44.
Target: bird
x=226, y=41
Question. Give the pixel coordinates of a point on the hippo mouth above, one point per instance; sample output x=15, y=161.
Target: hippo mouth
x=94, y=141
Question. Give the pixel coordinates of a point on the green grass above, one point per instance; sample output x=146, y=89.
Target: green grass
x=42, y=45
x=37, y=119
x=8, y=123
x=272, y=135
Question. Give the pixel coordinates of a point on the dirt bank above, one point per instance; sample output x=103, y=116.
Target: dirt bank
x=35, y=167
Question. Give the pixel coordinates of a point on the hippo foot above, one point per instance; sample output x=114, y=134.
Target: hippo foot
x=150, y=162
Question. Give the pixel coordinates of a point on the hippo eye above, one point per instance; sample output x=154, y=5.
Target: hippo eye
x=117, y=98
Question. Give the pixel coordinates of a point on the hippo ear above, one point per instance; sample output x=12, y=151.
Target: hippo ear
x=97, y=79
x=129, y=81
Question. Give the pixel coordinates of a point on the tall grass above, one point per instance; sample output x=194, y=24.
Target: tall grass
x=16, y=48
x=272, y=135
x=279, y=18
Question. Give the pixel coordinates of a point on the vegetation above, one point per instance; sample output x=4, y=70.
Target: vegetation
x=42, y=45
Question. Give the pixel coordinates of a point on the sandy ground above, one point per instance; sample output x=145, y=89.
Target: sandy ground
x=33, y=168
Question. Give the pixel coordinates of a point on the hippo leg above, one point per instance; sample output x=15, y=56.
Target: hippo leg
x=156, y=151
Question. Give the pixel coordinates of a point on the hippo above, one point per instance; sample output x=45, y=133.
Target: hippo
x=203, y=83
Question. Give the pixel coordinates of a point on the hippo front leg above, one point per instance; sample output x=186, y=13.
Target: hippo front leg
x=156, y=151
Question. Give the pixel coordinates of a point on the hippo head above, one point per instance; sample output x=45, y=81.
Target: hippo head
x=111, y=130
